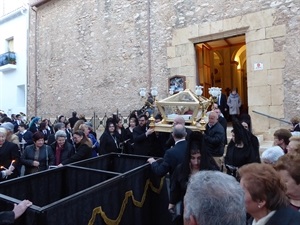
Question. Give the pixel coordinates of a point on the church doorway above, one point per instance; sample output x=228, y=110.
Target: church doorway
x=223, y=63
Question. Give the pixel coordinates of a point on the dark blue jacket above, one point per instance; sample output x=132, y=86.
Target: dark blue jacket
x=173, y=157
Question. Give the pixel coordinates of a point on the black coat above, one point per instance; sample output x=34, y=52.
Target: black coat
x=73, y=120
x=223, y=122
x=46, y=158
x=7, y=217
x=8, y=152
x=27, y=136
x=66, y=153
x=283, y=216
x=128, y=146
x=214, y=139
x=222, y=104
x=240, y=156
x=143, y=145
x=109, y=143
x=172, y=158
x=83, y=151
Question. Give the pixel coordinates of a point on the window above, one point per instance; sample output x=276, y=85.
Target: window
x=21, y=96
x=10, y=44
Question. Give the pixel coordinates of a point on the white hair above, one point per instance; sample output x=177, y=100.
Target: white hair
x=3, y=131
x=215, y=198
x=272, y=154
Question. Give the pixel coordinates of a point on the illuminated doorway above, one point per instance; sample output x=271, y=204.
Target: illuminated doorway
x=222, y=63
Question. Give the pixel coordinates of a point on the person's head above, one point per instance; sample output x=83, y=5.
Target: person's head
x=143, y=120
x=85, y=128
x=19, y=117
x=178, y=120
x=13, y=117
x=3, y=133
x=233, y=91
x=217, y=111
x=119, y=123
x=60, y=137
x=179, y=132
x=5, y=119
x=38, y=139
x=79, y=137
x=212, y=118
x=245, y=125
x=214, y=106
x=67, y=124
x=42, y=126
x=74, y=114
x=214, y=198
x=195, y=155
x=35, y=120
x=61, y=118
x=271, y=155
x=288, y=167
x=59, y=126
x=239, y=133
x=295, y=120
x=22, y=127
x=158, y=118
x=77, y=124
x=132, y=122
x=281, y=137
x=82, y=116
x=147, y=113
x=263, y=188
x=110, y=127
x=46, y=121
x=9, y=127
x=294, y=145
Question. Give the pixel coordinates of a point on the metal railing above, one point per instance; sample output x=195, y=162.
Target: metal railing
x=271, y=117
x=7, y=58
x=99, y=122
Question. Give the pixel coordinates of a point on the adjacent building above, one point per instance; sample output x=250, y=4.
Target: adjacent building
x=13, y=56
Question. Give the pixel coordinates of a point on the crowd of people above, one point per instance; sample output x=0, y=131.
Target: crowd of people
x=210, y=180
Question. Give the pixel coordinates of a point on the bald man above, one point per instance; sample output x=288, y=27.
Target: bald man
x=214, y=136
x=177, y=120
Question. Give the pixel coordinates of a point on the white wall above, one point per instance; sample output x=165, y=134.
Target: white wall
x=13, y=83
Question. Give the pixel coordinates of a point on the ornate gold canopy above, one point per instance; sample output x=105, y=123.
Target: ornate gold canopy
x=186, y=104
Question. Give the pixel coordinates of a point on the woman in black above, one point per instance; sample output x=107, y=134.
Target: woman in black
x=9, y=157
x=241, y=150
x=197, y=159
x=110, y=139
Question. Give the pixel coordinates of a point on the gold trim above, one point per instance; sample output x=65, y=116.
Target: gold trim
x=128, y=194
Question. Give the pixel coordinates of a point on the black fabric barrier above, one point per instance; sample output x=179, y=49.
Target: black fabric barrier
x=84, y=194
x=114, y=162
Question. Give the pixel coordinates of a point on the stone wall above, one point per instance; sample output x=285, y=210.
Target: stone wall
x=95, y=55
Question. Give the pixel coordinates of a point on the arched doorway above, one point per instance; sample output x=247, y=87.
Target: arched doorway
x=223, y=63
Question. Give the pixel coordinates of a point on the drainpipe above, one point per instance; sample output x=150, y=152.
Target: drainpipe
x=149, y=46
x=34, y=9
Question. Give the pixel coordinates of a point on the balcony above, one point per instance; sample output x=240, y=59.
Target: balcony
x=8, y=62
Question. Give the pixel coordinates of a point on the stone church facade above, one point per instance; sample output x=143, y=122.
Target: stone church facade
x=94, y=55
